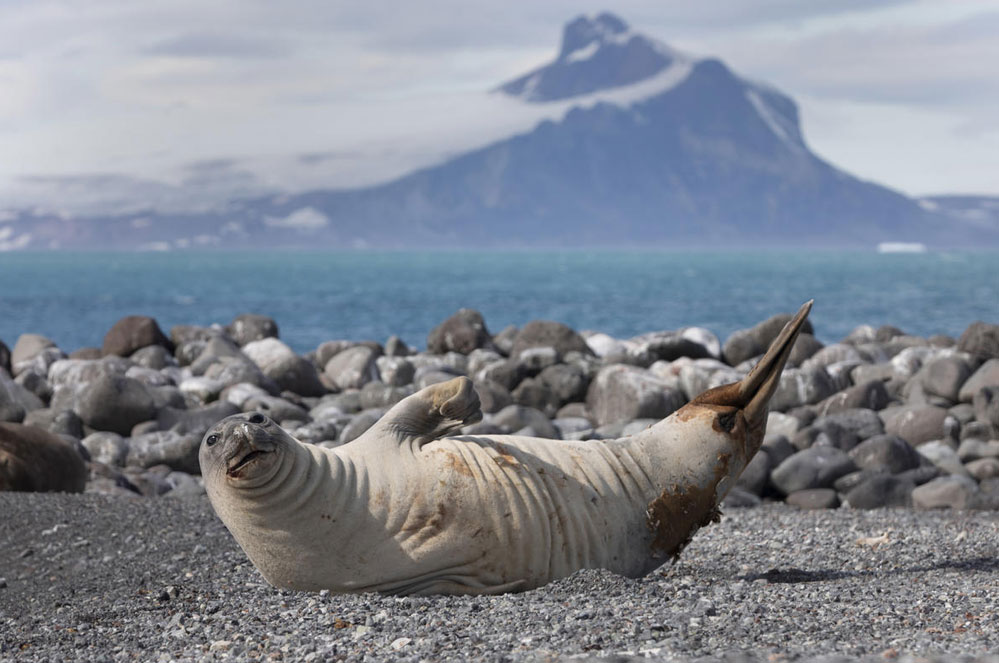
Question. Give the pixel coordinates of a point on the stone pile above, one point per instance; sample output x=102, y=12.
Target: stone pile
x=881, y=418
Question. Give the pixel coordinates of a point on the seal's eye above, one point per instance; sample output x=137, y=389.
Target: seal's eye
x=257, y=418
x=211, y=440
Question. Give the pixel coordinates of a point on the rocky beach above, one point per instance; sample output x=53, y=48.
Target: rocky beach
x=867, y=524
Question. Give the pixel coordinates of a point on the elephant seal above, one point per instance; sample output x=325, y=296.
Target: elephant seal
x=35, y=460
x=406, y=509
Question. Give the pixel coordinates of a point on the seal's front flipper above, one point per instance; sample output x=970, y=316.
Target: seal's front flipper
x=435, y=411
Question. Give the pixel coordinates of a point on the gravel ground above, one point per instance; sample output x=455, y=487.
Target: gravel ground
x=92, y=577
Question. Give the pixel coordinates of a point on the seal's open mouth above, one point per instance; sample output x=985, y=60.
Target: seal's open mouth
x=246, y=460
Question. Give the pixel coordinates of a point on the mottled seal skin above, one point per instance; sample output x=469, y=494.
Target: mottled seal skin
x=406, y=509
x=35, y=460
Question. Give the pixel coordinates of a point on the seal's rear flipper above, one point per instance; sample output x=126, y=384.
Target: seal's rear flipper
x=435, y=411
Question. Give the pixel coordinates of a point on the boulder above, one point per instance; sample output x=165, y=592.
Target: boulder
x=175, y=450
x=983, y=468
x=837, y=353
x=183, y=334
x=943, y=377
x=195, y=421
x=115, y=403
x=862, y=423
x=738, y=498
x=620, y=392
x=280, y=363
x=518, y=417
x=15, y=400
x=980, y=430
x=503, y=341
x=395, y=370
x=107, y=447
x=317, y=432
x=986, y=375
x=462, y=332
x=532, y=392
x=250, y=327
x=353, y=368
x=980, y=340
x=360, y=423
x=239, y=369
x=825, y=433
x=548, y=334
x=756, y=474
x=567, y=382
x=532, y=361
x=916, y=424
x=202, y=389
x=131, y=333
x=58, y=422
x=974, y=448
x=805, y=347
x=801, y=387
x=986, y=404
x=573, y=428
x=28, y=347
x=870, y=395
x=815, y=467
x=779, y=423
x=149, y=377
x=155, y=357
x=396, y=347
x=381, y=395
x=35, y=460
x=695, y=343
x=848, y=482
x=888, y=452
x=942, y=456
x=814, y=498
x=4, y=357
x=493, y=396
x=329, y=349
x=881, y=491
x=278, y=409
x=779, y=448
x=950, y=492
x=747, y=343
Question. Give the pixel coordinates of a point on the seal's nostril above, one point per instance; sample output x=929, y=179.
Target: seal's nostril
x=257, y=418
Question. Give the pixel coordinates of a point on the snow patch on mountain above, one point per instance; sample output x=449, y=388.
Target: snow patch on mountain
x=774, y=120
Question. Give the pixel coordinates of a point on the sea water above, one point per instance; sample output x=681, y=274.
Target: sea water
x=74, y=298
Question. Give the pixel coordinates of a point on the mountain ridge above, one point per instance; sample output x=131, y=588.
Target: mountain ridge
x=705, y=158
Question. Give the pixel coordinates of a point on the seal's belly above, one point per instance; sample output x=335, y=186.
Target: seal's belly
x=505, y=512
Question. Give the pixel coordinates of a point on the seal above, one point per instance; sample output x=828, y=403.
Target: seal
x=408, y=509
x=35, y=460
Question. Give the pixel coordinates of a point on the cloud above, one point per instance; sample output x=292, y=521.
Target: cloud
x=219, y=45
x=306, y=218
x=195, y=100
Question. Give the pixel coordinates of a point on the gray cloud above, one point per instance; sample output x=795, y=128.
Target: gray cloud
x=219, y=45
x=943, y=65
x=314, y=90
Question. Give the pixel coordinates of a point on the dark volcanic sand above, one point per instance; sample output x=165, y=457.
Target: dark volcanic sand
x=91, y=577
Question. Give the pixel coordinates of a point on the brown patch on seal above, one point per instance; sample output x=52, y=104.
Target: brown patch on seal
x=673, y=518
x=457, y=463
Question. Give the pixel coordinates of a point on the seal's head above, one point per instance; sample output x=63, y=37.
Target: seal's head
x=243, y=450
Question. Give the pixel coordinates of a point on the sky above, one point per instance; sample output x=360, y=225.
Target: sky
x=110, y=103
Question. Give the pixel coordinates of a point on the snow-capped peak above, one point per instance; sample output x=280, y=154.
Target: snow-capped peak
x=597, y=53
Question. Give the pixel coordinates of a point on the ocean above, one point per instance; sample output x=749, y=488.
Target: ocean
x=74, y=298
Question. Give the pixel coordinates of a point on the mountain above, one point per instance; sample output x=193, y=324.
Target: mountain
x=643, y=146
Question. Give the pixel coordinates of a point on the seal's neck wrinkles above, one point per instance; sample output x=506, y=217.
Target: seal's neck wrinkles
x=303, y=471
